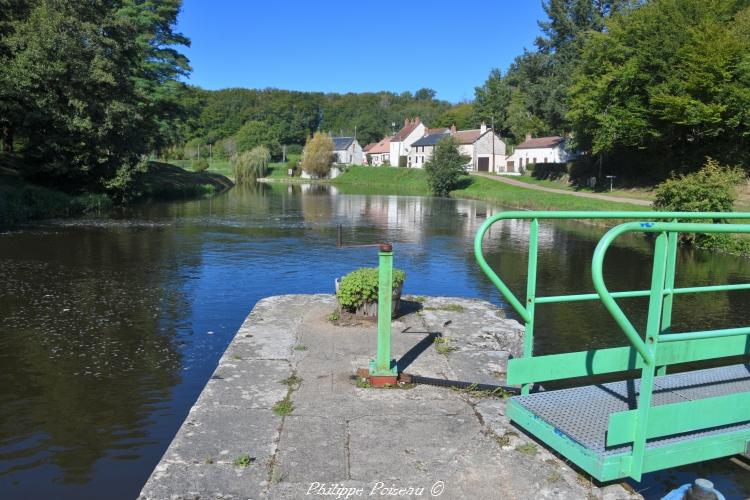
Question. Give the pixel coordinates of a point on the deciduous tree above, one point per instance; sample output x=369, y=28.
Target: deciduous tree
x=317, y=156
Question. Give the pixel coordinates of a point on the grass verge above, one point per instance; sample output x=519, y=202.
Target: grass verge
x=392, y=180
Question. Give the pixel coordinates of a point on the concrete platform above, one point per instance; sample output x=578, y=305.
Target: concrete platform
x=341, y=439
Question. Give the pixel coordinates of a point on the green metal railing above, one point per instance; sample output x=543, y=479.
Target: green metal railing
x=651, y=351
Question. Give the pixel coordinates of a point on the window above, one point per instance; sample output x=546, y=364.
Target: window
x=535, y=160
x=423, y=159
x=545, y=159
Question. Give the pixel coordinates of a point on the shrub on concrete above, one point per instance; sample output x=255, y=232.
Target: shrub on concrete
x=361, y=286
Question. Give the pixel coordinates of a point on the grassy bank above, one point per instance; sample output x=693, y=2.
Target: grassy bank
x=276, y=170
x=384, y=180
x=167, y=181
x=21, y=201
x=392, y=180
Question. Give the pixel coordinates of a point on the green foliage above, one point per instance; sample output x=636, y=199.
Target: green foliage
x=333, y=317
x=88, y=88
x=445, y=167
x=256, y=133
x=283, y=407
x=461, y=115
x=712, y=189
x=243, y=461
x=200, y=165
x=318, y=155
x=250, y=165
x=289, y=117
x=361, y=286
x=443, y=345
x=667, y=84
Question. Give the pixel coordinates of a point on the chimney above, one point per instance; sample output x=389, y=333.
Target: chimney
x=406, y=122
x=482, y=128
x=416, y=120
x=528, y=136
x=453, y=128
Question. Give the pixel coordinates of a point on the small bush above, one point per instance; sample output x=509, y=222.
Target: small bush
x=445, y=167
x=712, y=189
x=200, y=165
x=361, y=286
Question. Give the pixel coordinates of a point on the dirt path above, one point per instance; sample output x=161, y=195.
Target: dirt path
x=596, y=196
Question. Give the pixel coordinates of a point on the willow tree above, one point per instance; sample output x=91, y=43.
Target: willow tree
x=318, y=154
x=250, y=165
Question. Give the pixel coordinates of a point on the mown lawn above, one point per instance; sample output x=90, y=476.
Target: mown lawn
x=383, y=180
x=480, y=188
x=393, y=180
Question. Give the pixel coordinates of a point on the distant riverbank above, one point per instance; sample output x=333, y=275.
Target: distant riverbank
x=22, y=201
x=403, y=181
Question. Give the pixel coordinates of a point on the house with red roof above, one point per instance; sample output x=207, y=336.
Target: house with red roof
x=401, y=141
x=380, y=153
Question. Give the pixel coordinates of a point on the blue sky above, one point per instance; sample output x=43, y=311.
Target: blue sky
x=356, y=46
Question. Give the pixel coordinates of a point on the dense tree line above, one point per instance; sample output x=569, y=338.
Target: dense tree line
x=234, y=120
x=87, y=89
x=645, y=87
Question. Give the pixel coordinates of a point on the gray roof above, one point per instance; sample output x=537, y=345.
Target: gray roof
x=428, y=140
x=340, y=143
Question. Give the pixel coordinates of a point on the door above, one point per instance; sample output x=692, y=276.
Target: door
x=483, y=164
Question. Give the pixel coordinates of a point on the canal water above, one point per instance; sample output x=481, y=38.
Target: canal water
x=109, y=328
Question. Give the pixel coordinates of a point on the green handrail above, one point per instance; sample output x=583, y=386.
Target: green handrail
x=525, y=310
x=607, y=298
x=508, y=295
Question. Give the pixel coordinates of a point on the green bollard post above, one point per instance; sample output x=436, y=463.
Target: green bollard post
x=383, y=369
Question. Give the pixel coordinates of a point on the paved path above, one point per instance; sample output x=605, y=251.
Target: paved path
x=342, y=440
x=596, y=196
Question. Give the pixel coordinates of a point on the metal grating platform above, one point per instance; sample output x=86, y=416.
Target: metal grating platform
x=582, y=413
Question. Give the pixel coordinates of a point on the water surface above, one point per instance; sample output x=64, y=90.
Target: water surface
x=109, y=328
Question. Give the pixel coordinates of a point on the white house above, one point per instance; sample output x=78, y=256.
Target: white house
x=346, y=151
x=380, y=153
x=403, y=139
x=538, y=150
x=478, y=145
